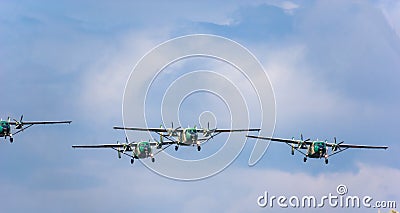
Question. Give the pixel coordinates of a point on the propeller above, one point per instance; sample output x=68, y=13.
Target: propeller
x=172, y=127
x=160, y=143
x=301, y=136
x=208, y=132
x=18, y=124
x=118, y=150
x=302, y=141
x=336, y=145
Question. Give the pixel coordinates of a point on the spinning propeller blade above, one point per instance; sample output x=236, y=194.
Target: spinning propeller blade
x=19, y=124
x=336, y=145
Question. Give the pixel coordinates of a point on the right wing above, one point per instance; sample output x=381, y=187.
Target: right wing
x=142, y=129
x=101, y=146
x=283, y=140
x=122, y=145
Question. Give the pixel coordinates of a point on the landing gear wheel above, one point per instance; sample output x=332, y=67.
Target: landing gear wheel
x=132, y=160
x=176, y=148
x=152, y=160
x=11, y=140
x=199, y=148
x=292, y=152
x=305, y=159
x=326, y=160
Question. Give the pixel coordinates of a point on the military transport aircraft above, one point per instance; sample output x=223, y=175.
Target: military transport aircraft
x=185, y=136
x=5, y=126
x=141, y=149
x=317, y=149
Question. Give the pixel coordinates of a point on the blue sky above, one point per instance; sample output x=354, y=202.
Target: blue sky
x=333, y=65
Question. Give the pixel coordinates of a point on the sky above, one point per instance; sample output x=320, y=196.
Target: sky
x=333, y=66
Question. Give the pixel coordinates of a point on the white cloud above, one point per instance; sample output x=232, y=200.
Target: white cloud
x=234, y=190
x=391, y=10
x=300, y=95
x=104, y=82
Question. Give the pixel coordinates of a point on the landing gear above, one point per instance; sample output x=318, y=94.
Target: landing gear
x=292, y=151
x=326, y=160
x=198, y=148
x=11, y=139
x=176, y=148
x=305, y=159
x=152, y=160
x=132, y=160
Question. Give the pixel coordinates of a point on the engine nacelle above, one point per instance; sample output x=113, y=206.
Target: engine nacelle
x=18, y=125
x=172, y=132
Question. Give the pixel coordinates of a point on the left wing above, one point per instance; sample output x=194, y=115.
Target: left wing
x=38, y=122
x=356, y=146
x=20, y=124
x=236, y=130
x=154, y=143
x=229, y=130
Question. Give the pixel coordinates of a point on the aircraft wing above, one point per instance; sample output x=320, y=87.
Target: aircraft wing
x=283, y=140
x=121, y=145
x=154, y=143
x=142, y=129
x=230, y=130
x=39, y=122
x=356, y=146
x=103, y=146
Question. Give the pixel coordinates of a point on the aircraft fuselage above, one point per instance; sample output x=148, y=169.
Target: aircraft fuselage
x=142, y=150
x=188, y=136
x=317, y=150
x=5, y=129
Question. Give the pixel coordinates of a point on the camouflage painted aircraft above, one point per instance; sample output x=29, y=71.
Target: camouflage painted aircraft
x=185, y=136
x=139, y=150
x=5, y=126
x=317, y=149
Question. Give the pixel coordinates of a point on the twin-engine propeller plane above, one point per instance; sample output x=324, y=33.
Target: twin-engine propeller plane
x=135, y=150
x=186, y=136
x=5, y=126
x=317, y=149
